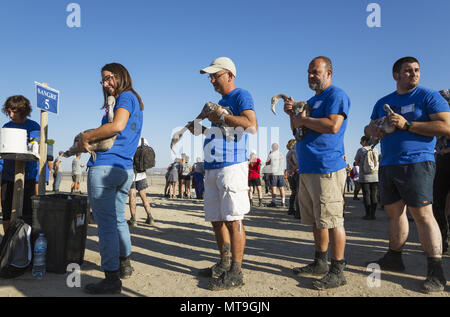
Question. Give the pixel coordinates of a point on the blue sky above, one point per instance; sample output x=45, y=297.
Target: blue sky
x=164, y=44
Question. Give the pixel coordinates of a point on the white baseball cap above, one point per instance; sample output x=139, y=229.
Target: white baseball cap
x=220, y=64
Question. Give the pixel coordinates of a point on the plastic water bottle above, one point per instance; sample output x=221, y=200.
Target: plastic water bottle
x=40, y=252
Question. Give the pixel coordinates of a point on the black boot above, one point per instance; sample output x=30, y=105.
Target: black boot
x=435, y=281
x=334, y=278
x=125, y=267
x=373, y=210
x=367, y=209
x=110, y=285
x=391, y=261
x=318, y=267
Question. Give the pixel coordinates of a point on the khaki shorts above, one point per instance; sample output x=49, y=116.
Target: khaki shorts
x=321, y=199
x=226, y=193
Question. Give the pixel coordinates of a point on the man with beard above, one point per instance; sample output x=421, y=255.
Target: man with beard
x=407, y=167
x=322, y=170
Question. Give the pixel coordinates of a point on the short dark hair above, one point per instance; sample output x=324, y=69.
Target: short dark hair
x=365, y=139
x=398, y=64
x=328, y=63
x=18, y=103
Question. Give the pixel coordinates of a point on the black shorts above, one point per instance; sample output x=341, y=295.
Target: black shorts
x=277, y=180
x=140, y=185
x=254, y=182
x=185, y=177
x=412, y=183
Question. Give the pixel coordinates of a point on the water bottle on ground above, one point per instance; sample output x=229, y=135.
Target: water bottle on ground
x=40, y=252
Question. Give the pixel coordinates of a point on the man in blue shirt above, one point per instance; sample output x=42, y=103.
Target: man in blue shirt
x=18, y=108
x=407, y=167
x=226, y=179
x=322, y=170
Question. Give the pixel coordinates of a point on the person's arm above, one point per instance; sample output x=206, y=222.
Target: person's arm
x=105, y=131
x=438, y=126
x=331, y=124
x=246, y=120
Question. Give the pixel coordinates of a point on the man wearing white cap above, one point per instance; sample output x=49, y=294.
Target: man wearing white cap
x=226, y=178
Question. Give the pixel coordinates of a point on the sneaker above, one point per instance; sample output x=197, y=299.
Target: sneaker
x=435, y=281
x=226, y=281
x=150, y=221
x=132, y=222
x=334, y=278
x=215, y=271
x=390, y=262
x=318, y=267
x=272, y=204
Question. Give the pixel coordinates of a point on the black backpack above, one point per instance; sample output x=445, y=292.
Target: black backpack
x=15, y=250
x=144, y=158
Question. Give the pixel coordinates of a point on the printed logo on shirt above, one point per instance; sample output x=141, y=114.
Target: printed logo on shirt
x=317, y=104
x=407, y=109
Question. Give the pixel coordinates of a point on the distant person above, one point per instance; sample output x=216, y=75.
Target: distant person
x=57, y=171
x=140, y=185
x=77, y=166
x=254, y=178
x=226, y=180
x=172, y=178
x=322, y=170
x=367, y=160
x=198, y=176
x=276, y=162
x=354, y=174
x=110, y=177
x=18, y=108
x=407, y=167
x=348, y=180
x=266, y=173
x=292, y=174
x=185, y=177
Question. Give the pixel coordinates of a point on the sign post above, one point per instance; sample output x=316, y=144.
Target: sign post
x=47, y=101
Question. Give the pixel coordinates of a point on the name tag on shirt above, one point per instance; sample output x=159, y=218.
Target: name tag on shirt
x=407, y=109
x=317, y=104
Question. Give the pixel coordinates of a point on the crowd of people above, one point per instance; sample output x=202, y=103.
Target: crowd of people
x=403, y=176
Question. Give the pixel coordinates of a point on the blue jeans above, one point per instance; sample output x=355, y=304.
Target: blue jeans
x=108, y=188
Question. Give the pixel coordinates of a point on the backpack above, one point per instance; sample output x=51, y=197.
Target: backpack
x=15, y=250
x=144, y=158
x=370, y=162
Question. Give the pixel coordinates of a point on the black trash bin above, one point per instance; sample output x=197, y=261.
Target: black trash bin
x=63, y=220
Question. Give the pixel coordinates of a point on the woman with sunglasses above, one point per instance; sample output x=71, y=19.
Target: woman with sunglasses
x=110, y=177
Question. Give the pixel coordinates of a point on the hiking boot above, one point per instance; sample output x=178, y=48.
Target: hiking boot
x=226, y=281
x=215, y=271
x=334, y=278
x=132, y=222
x=435, y=281
x=272, y=204
x=391, y=261
x=260, y=203
x=125, y=269
x=110, y=285
x=150, y=221
x=318, y=267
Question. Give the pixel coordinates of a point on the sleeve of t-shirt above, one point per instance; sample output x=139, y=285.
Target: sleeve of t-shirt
x=126, y=101
x=375, y=114
x=436, y=103
x=245, y=101
x=340, y=104
x=358, y=155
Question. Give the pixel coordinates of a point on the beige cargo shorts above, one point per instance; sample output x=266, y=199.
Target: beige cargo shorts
x=321, y=199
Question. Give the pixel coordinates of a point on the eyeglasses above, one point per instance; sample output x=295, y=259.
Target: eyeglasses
x=215, y=77
x=106, y=79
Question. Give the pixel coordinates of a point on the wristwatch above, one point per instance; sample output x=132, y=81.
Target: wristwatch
x=407, y=125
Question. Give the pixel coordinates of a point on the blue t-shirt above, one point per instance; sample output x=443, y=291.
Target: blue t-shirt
x=403, y=147
x=322, y=153
x=218, y=152
x=31, y=167
x=122, y=152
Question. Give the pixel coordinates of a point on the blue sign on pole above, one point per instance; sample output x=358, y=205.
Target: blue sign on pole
x=47, y=98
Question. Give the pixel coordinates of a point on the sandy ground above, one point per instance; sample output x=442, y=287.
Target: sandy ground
x=167, y=256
